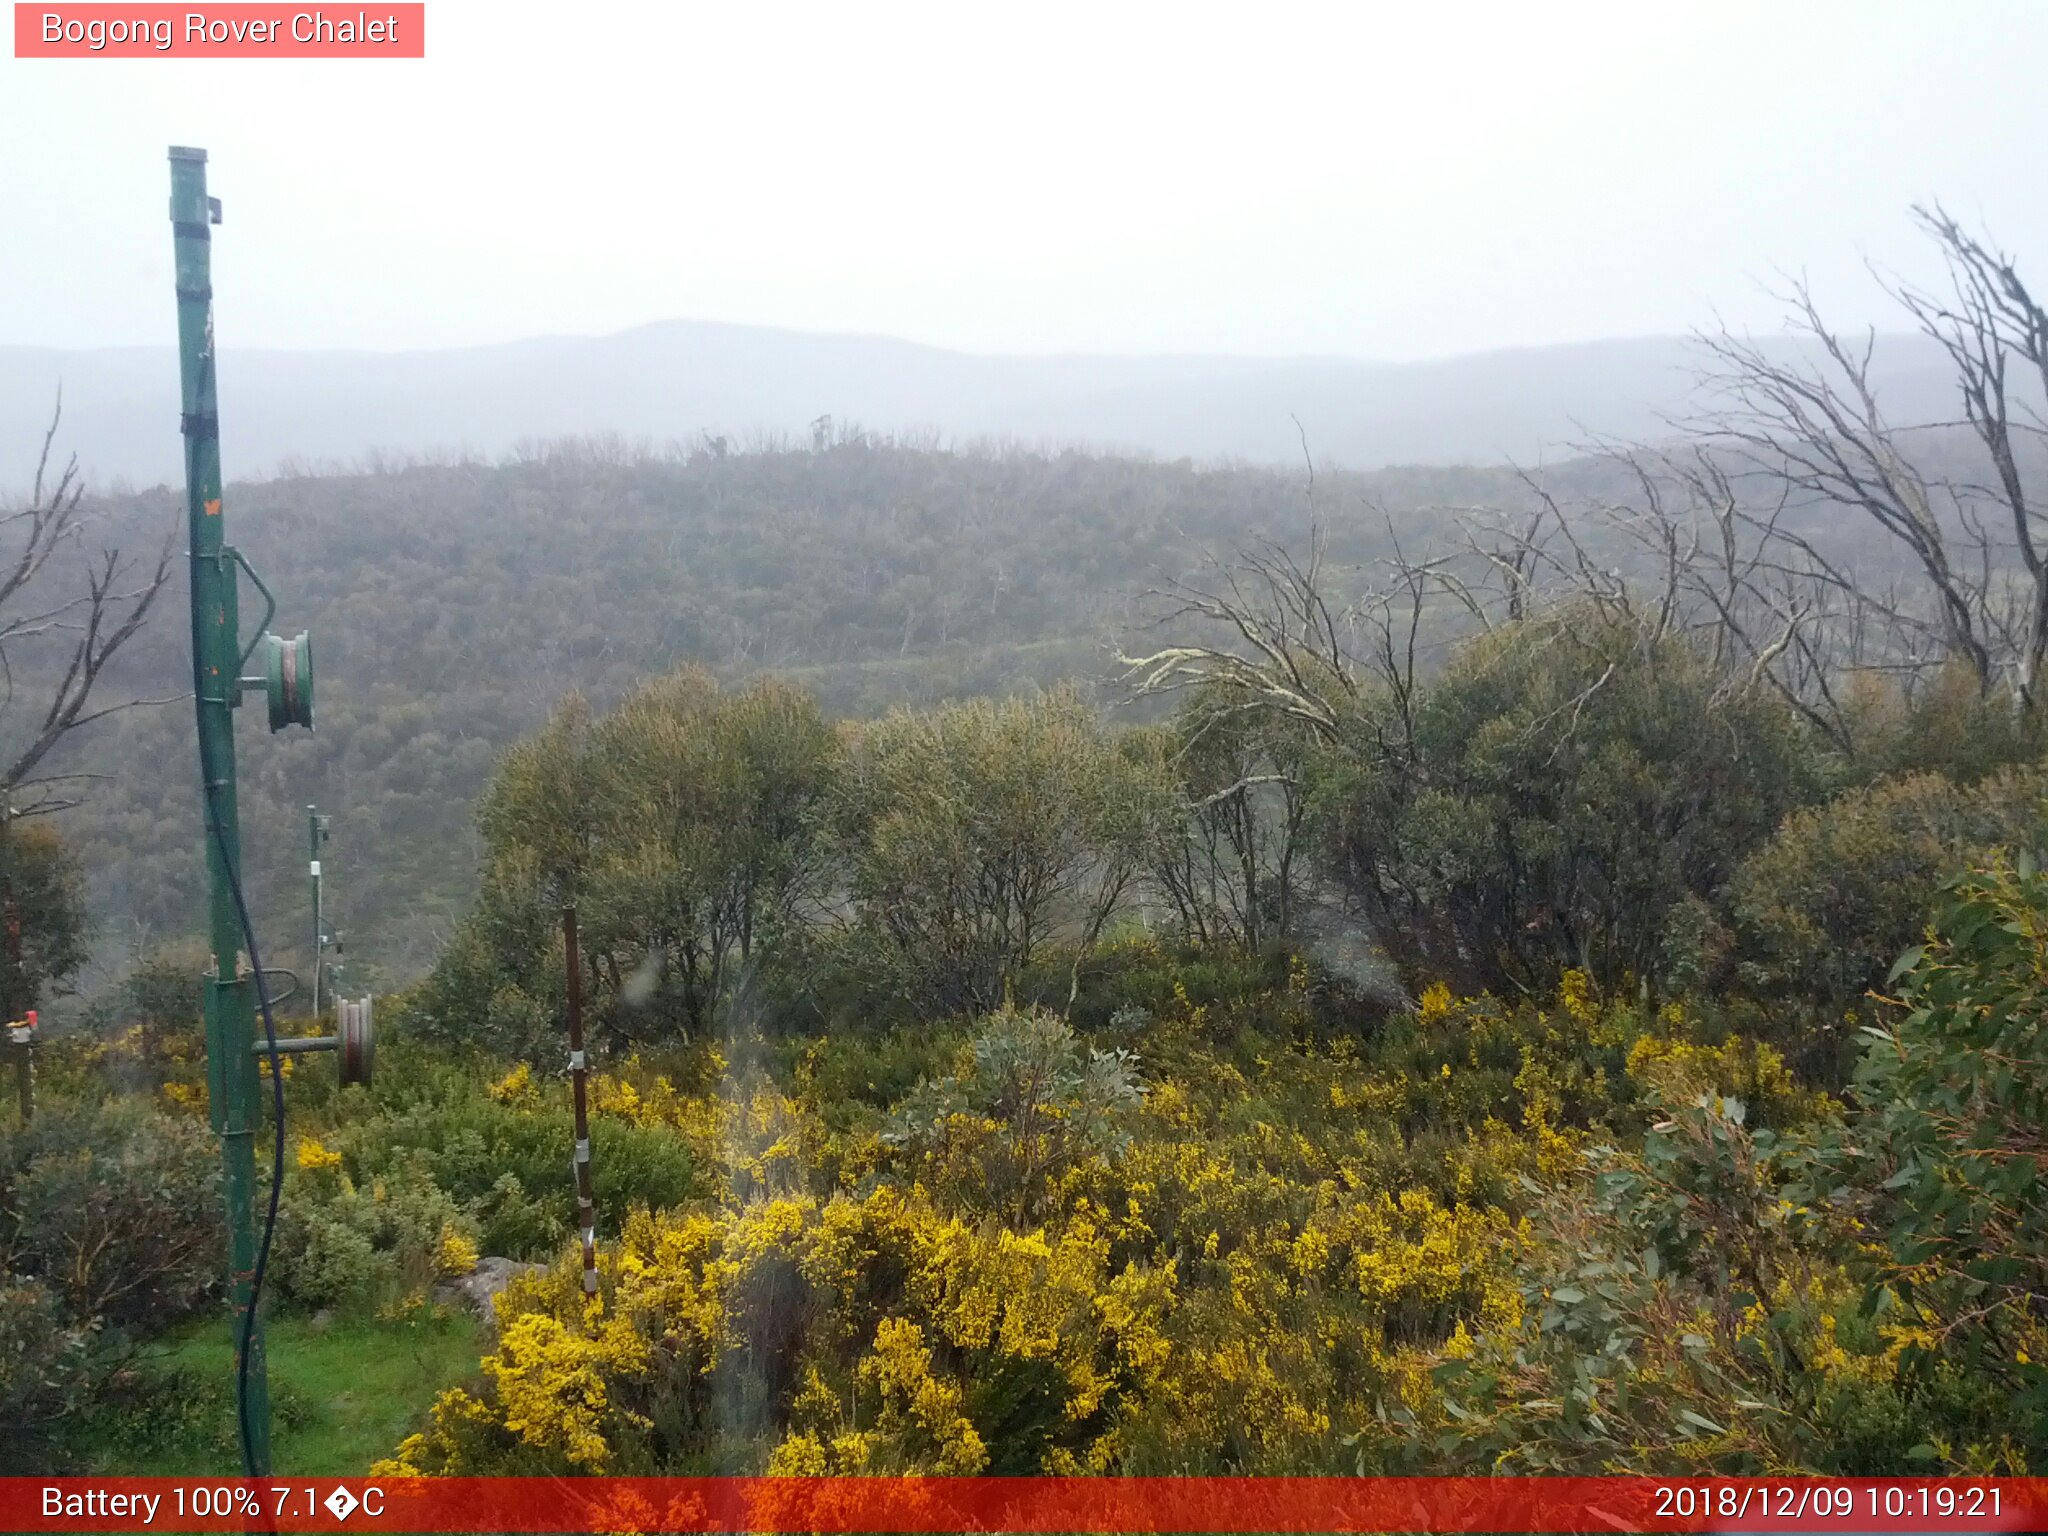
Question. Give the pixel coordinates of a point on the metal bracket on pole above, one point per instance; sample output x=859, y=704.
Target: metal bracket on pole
x=269, y=606
x=354, y=1042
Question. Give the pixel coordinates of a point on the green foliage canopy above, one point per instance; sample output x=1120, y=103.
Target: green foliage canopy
x=1551, y=799
x=683, y=828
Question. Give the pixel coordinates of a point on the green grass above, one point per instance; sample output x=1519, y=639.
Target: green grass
x=343, y=1394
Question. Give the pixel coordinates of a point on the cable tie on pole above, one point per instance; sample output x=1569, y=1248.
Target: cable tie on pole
x=199, y=426
x=191, y=229
x=576, y=1061
x=200, y=295
x=583, y=1149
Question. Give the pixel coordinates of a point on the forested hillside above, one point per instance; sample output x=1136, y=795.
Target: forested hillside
x=452, y=606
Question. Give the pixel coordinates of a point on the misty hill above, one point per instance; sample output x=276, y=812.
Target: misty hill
x=453, y=605
x=682, y=380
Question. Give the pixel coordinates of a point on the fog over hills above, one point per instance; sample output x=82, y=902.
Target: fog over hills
x=682, y=380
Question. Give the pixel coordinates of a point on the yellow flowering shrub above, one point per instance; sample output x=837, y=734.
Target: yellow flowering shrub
x=516, y=1087
x=1435, y=1003
x=1575, y=996
x=1676, y=1071
x=189, y=1097
x=456, y=1254
x=1417, y=1250
x=554, y=1383
x=456, y=1423
x=919, y=1408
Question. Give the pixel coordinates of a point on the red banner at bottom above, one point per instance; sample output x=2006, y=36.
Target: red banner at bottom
x=1025, y=1504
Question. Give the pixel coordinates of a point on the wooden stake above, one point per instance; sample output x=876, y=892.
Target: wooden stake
x=579, y=1072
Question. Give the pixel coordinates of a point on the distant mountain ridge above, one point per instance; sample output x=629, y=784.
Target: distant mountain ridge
x=682, y=380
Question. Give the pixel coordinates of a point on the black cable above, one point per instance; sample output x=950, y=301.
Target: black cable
x=210, y=788
x=277, y=1119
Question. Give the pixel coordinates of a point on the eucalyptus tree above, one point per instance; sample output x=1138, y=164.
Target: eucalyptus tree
x=978, y=836
x=684, y=827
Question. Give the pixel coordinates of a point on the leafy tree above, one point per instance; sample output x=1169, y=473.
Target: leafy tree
x=42, y=893
x=977, y=835
x=1566, y=785
x=681, y=826
x=702, y=807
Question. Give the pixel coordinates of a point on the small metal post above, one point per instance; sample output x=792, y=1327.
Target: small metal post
x=586, y=1203
x=316, y=834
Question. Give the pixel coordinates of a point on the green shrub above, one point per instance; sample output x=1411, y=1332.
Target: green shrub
x=1559, y=790
x=508, y=1168
x=1822, y=910
x=44, y=1368
x=115, y=1208
x=1956, y=1098
x=340, y=1244
x=519, y=1223
x=1949, y=725
x=846, y=1077
x=1860, y=1294
x=109, y=1226
x=1032, y=1105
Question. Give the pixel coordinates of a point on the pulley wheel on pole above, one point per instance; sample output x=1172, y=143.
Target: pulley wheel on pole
x=288, y=680
x=358, y=1047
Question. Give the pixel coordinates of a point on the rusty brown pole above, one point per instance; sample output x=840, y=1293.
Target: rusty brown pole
x=579, y=1072
x=21, y=1030
x=25, y=1075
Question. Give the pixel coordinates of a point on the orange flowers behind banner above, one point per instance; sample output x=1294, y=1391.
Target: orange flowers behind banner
x=1029, y=1504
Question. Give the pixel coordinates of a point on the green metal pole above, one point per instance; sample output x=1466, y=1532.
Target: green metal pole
x=231, y=1072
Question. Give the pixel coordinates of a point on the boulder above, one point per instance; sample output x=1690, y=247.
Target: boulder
x=478, y=1289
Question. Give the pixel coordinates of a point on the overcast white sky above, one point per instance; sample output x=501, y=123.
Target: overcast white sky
x=1384, y=180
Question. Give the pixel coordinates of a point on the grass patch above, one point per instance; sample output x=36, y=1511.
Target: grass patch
x=343, y=1394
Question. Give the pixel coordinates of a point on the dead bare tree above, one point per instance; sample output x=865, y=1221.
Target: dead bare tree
x=1270, y=667
x=1717, y=551
x=1819, y=433
x=1263, y=636
x=1987, y=322
x=74, y=634
x=1686, y=556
